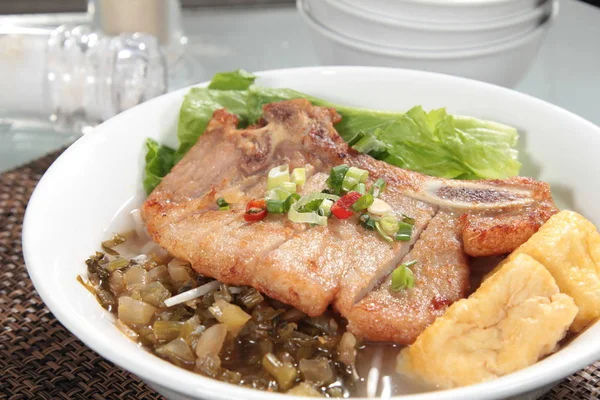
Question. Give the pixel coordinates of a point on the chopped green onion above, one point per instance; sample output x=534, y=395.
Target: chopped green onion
x=403, y=277
x=369, y=144
x=292, y=198
x=299, y=176
x=404, y=232
x=378, y=187
x=389, y=224
x=408, y=220
x=382, y=232
x=306, y=217
x=276, y=206
x=325, y=207
x=353, y=177
x=289, y=187
x=278, y=193
x=277, y=176
x=223, y=205
x=367, y=222
x=336, y=177
x=363, y=202
x=296, y=215
x=304, y=200
x=311, y=206
x=361, y=188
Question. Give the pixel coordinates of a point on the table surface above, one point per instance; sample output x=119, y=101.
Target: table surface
x=566, y=71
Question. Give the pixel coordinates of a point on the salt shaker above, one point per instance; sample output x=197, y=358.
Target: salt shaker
x=91, y=77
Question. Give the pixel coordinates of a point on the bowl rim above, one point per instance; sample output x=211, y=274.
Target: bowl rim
x=183, y=382
x=428, y=54
x=541, y=10
x=460, y=3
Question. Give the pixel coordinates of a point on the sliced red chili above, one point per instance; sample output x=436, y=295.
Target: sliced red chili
x=256, y=210
x=341, y=208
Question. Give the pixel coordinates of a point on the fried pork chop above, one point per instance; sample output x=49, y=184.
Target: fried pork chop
x=340, y=264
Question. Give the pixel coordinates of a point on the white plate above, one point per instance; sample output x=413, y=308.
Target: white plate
x=447, y=11
x=504, y=63
x=403, y=34
x=100, y=175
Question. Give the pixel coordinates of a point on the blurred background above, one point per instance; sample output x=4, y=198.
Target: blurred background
x=48, y=6
x=68, y=65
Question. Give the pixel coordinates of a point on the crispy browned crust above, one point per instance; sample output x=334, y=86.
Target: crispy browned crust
x=181, y=215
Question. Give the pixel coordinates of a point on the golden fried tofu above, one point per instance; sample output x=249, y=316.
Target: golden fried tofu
x=516, y=317
x=568, y=245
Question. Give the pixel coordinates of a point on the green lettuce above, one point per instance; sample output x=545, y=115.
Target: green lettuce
x=434, y=143
x=159, y=161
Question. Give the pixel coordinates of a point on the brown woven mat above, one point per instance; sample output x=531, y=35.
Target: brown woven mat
x=40, y=359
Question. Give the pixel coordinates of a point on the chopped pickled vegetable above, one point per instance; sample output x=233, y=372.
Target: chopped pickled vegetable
x=155, y=293
x=108, y=245
x=179, y=270
x=159, y=273
x=284, y=373
x=250, y=298
x=231, y=315
x=127, y=331
x=133, y=311
x=117, y=263
x=177, y=351
x=318, y=371
x=208, y=348
x=166, y=331
x=144, y=296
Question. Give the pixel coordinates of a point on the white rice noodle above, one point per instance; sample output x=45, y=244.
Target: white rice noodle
x=140, y=228
x=235, y=290
x=192, y=293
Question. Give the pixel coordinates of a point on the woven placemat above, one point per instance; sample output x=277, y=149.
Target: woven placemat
x=40, y=359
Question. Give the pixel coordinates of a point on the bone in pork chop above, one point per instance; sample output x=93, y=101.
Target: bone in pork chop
x=340, y=264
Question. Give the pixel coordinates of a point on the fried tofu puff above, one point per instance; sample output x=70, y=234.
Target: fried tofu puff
x=568, y=245
x=516, y=317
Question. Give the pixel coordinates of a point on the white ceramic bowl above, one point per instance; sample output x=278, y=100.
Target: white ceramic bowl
x=100, y=176
x=447, y=11
x=371, y=28
x=502, y=64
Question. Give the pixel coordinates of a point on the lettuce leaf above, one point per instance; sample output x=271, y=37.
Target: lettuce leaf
x=197, y=109
x=160, y=160
x=234, y=80
x=434, y=143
